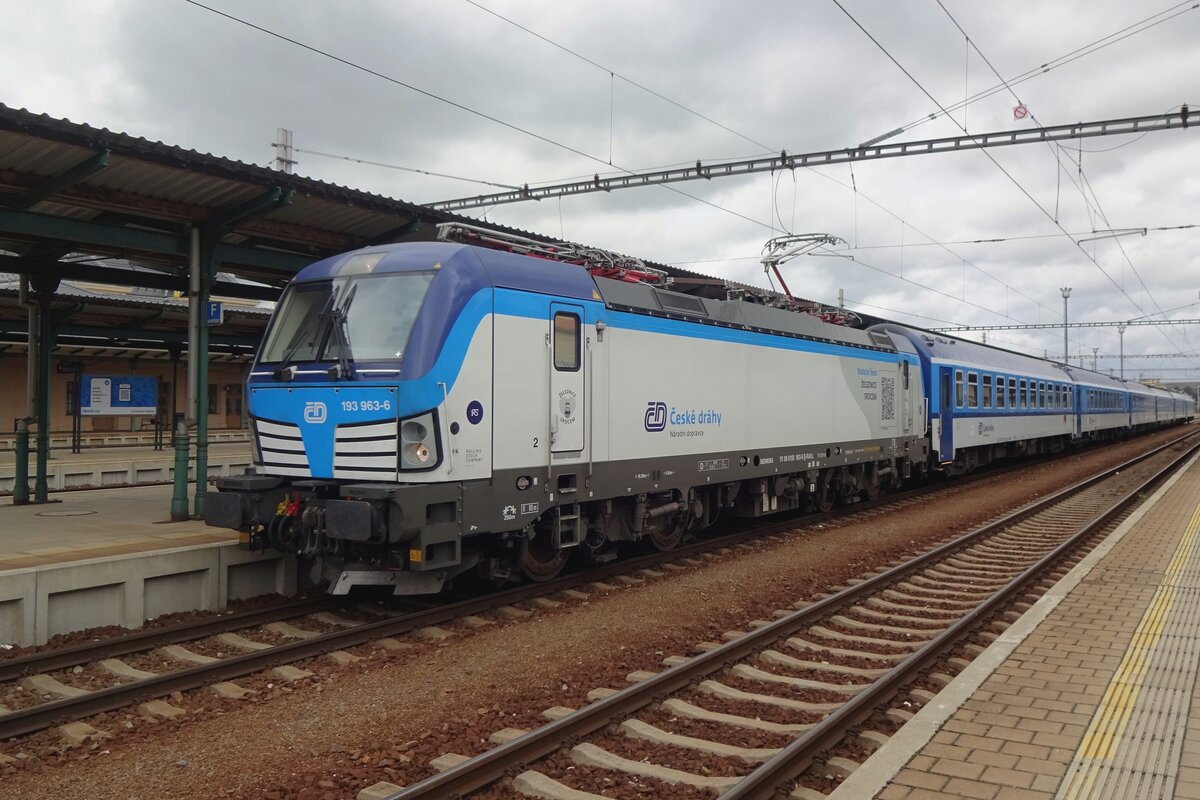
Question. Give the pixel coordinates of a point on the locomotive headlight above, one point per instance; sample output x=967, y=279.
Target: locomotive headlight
x=413, y=431
x=419, y=442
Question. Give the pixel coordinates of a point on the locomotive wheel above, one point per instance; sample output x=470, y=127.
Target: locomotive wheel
x=824, y=500
x=538, y=560
x=669, y=537
x=870, y=491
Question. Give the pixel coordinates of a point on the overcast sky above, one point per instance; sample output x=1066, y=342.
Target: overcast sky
x=767, y=75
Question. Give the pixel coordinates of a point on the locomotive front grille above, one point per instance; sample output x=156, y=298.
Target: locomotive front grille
x=282, y=448
x=366, y=450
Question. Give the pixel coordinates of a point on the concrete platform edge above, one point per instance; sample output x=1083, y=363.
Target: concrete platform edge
x=873, y=776
x=126, y=590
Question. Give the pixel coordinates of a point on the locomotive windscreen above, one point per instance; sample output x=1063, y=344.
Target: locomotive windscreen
x=360, y=317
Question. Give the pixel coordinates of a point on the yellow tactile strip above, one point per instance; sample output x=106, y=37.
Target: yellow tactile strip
x=1133, y=744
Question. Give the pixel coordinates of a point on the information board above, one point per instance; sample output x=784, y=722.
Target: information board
x=118, y=395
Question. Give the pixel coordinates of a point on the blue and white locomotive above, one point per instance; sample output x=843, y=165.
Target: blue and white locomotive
x=426, y=410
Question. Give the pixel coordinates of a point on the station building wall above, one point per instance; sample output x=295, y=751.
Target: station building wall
x=226, y=395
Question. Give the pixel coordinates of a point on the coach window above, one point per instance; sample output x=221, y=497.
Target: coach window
x=987, y=391
x=1024, y=393
x=973, y=389
x=1012, y=392
x=566, y=342
x=958, y=388
x=1001, y=390
x=1041, y=394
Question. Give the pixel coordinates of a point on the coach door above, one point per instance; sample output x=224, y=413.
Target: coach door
x=946, y=400
x=566, y=378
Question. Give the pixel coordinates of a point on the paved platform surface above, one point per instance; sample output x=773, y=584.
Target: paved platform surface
x=95, y=524
x=1091, y=694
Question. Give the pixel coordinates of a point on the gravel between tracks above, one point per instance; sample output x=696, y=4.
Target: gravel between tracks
x=386, y=717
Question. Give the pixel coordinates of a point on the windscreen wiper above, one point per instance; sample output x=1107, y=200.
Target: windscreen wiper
x=340, y=315
x=282, y=372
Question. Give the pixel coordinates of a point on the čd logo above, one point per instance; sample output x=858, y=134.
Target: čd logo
x=656, y=416
x=315, y=412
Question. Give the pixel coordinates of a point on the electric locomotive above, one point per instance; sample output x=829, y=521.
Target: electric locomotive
x=494, y=405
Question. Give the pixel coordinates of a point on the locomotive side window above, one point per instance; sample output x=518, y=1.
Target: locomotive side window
x=566, y=342
x=958, y=388
x=973, y=389
x=987, y=391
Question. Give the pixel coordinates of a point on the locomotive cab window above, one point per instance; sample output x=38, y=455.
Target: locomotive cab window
x=566, y=342
x=333, y=319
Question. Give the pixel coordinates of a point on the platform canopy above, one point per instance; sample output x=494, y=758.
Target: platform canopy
x=71, y=188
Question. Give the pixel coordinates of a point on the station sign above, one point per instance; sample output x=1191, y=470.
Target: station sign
x=118, y=395
x=214, y=312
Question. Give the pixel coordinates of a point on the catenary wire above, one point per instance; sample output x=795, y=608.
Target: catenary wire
x=1056, y=151
x=454, y=104
x=1009, y=175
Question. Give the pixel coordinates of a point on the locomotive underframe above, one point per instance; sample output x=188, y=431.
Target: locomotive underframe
x=415, y=537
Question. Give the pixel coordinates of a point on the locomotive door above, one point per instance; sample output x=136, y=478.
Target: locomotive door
x=566, y=378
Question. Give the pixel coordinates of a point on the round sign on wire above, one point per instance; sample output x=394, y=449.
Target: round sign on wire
x=1020, y=111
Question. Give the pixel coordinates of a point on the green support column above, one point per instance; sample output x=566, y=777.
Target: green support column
x=179, y=498
x=208, y=274
x=21, y=478
x=41, y=488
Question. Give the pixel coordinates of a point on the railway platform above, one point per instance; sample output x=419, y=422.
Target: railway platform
x=113, y=557
x=125, y=464
x=1092, y=693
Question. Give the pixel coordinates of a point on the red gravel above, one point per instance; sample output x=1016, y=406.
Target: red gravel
x=714, y=731
x=749, y=708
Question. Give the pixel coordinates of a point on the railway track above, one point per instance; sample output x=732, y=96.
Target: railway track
x=748, y=717
x=232, y=646
x=217, y=650
x=242, y=643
